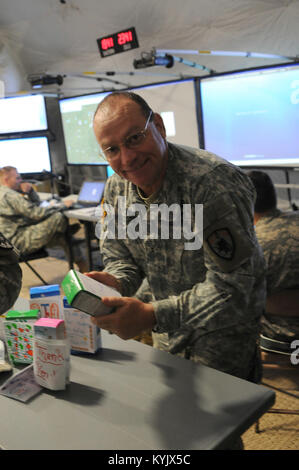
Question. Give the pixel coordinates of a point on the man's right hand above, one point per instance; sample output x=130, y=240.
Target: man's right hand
x=25, y=187
x=105, y=278
x=130, y=317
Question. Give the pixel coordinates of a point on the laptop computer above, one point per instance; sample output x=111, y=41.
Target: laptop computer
x=90, y=195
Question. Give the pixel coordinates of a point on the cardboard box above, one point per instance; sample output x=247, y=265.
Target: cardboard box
x=49, y=328
x=48, y=300
x=19, y=335
x=51, y=359
x=51, y=363
x=2, y=331
x=19, y=305
x=84, y=336
x=85, y=294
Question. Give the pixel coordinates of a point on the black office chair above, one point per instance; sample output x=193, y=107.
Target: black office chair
x=276, y=355
x=275, y=358
x=42, y=253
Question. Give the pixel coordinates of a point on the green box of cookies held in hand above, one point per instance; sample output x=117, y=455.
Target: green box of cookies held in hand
x=85, y=293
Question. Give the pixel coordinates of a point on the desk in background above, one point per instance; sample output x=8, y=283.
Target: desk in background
x=87, y=217
x=132, y=396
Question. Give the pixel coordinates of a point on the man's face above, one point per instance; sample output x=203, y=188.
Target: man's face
x=13, y=180
x=144, y=165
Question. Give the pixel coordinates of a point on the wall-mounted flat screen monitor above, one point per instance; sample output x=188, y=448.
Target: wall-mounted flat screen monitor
x=23, y=114
x=77, y=114
x=251, y=118
x=175, y=101
x=28, y=155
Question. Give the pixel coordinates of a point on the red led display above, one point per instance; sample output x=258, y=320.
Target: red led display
x=118, y=42
x=124, y=37
x=106, y=43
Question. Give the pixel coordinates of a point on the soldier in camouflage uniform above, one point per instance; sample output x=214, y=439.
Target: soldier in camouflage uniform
x=278, y=235
x=10, y=274
x=27, y=225
x=209, y=300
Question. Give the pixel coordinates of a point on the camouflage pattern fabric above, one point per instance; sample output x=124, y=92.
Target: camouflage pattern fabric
x=30, y=227
x=159, y=340
x=10, y=275
x=208, y=300
x=32, y=196
x=278, y=235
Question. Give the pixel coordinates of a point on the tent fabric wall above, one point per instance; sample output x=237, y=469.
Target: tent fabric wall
x=60, y=38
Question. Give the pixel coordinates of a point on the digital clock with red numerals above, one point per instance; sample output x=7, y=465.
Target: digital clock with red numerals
x=118, y=42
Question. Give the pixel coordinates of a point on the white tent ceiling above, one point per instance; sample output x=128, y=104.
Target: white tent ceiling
x=59, y=37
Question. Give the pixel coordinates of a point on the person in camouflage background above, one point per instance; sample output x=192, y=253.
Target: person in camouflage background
x=10, y=274
x=209, y=300
x=278, y=235
x=28, y=226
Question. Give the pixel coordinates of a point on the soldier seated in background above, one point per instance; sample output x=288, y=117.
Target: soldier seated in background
x=30, y=227
x=278, y=235
x=10, y=275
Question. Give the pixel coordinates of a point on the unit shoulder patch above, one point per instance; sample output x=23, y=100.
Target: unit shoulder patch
x=221, y=243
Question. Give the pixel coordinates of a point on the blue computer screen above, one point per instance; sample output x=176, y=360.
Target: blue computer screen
x=110, y=171
x=175, y=101
x=91, y=191
x=252, y=117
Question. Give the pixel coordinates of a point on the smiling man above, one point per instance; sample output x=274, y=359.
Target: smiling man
x=136, y=158
x=209, y=299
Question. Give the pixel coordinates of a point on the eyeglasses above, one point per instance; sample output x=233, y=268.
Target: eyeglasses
x=132, y=141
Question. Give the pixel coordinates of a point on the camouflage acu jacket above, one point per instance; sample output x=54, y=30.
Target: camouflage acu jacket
x=10, y=275
x=18, y=212
x=210, y=299
x=278, y=235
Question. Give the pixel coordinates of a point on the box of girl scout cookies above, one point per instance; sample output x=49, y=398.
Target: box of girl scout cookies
x=85, y=293
x=19, y=335
x=84, y=336
x=48, y=300
x=50, y=328
x=51, y=353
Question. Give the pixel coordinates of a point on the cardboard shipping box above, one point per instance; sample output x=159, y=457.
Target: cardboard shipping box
x=19, y=335
x=83, y=335
x=48, y=300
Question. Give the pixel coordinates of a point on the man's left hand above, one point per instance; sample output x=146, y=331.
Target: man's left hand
x=130, y=317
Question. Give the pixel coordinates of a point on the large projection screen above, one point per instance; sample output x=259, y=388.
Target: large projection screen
x=175, y=101
x=177, y=105
x=251, y=118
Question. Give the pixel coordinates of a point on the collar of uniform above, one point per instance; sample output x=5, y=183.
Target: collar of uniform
x=147, y=200
x=171, y=177
x=6, y=189
x=162, y=194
